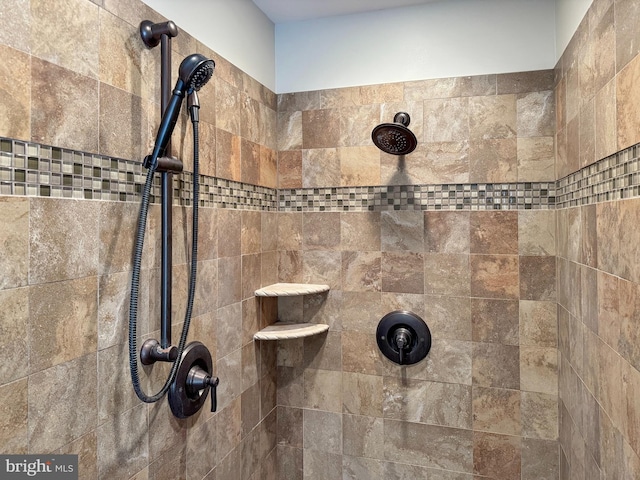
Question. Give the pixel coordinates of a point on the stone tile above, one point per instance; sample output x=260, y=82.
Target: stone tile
x=449, y=361
x=537, y=278
x=320, y=128
x=14, y=414
x=627, y=39
x=62, y=403
x=363, y=436
x=14, y=344
x=201, y=447
x=538, y=324
x=496, y=410
x=446, y=120
x=323, y=390
x=494, y=232
x=16, y=74
x=402, y=272
x=323, y=431
x=114, y=382
x=361, y=271
x=359, y=166
x=322, y=267
x=228, y=152
x=627, y=96
x=320, y=168
x=493, y=160
x=251, y=232
x=229, y=280
x=536, y=159
x=539, y=369
x=290, y=426
x=320, y=465
x=360, y=231
x=229, y=428
x=360, y=353
x=524, y=82
x=70, y=309
x=428, y=445
x=355, y=124
x=362, y=394
x=631, y=410
x=448, y=317
x=446, y=274
x=496, y=365
x=56, y=225
x=321, y=231
x=402, y=231
x=495, y=321
x=446, y=232
x=537, y=232
x=492, y=116
x=359, y=467
x=86, y=448
x=605, y=114
x=494, y=276
x=436, y=162
x=497, y=456
x=539, y=415
x=324, y=352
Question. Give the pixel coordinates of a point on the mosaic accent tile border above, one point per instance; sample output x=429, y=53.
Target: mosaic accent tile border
x=33, y=169
x=40, y=170
x=615, y=177
x=475, y=196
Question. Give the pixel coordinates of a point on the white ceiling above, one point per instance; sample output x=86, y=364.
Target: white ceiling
x=281, y=11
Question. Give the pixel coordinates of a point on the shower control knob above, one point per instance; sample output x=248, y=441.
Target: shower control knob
x=404, y=341
x=198, y=380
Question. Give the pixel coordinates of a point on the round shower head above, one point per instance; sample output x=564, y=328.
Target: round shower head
x=395, y=138
x=195, y=71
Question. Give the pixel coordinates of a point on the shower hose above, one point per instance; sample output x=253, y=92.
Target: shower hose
x=135, y=278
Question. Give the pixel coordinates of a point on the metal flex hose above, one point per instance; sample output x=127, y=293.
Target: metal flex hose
x=135, y=279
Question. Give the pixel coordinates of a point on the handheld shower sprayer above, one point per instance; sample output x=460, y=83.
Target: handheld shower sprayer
x=195, y=71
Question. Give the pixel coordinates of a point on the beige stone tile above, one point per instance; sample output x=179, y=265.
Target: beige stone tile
x=359, y=166
x=448, y=317
x=250, y=411
x=320, y=168
x=478, y=85
x=320, y=128
x=496, y=365
x=14, y=324
x=449, y=361
x=402, y=231
x=493, y=160
x=536, y=157
x=362, y=394
x=16, y=76
x=494, y=276
x=290, y=169
x=403, y=272
x=361, y=271
x=538, y=323
x=587, y=133
x=629, y=250
x=86, y=449
x=495, y=321
x=627, y=96
x=629, y=298
x=321, y=465
x=539, y=415
x=290, y=267
x=361, y=467
x=323, y=431
x=537, y=232
x=363, y=436
x=432, y=162
x=383, y=93
x=323, y=390
x=289, y=102
x=536, y=114
x=432, y=88
x=229, y=280
x=123, y=132
x=539, y=369
x=360, y=231
x=229, y=371
x=355, y=124
x=497, y=456
x=249, y=162
x=70, y=309
x=524, y=82
x=360, y=353
x=494, y=232
x=290, y=426
x=62, y=403
x=496, y=410
x=289, y=126
x=14, y=414
x=607, y=230
x=605, y=114
x=429, y=445
x=228, y=155
x=492, y=117
x=446, y=120
x=446, y=274
x=627, y=39
x=348, y=96
x=446, y=232
x=537, y=278
x=201, y=446
x=323, y=267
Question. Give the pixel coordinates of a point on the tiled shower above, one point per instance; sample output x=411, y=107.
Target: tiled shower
x=510, y=230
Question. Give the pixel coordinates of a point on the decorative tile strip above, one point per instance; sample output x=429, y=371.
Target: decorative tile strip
x=474, y=196
x=616, y=177
x=33, y=169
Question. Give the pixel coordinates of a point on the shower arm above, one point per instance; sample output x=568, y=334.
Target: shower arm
x=152, y=351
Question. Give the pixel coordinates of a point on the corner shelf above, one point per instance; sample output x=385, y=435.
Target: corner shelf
x=286, y=330
x=290, y=289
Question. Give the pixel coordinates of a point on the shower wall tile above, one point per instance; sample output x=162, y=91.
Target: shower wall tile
x=16, y=77
x=494, y=276
x=123, y=132
x=63, y=106
x=359, y=166
x=290, y=169
x=498, y=455
x=14, y=424
x=14, y=225
x=320, y=167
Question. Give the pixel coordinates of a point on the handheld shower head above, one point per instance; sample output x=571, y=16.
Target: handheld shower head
x=195, y=71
